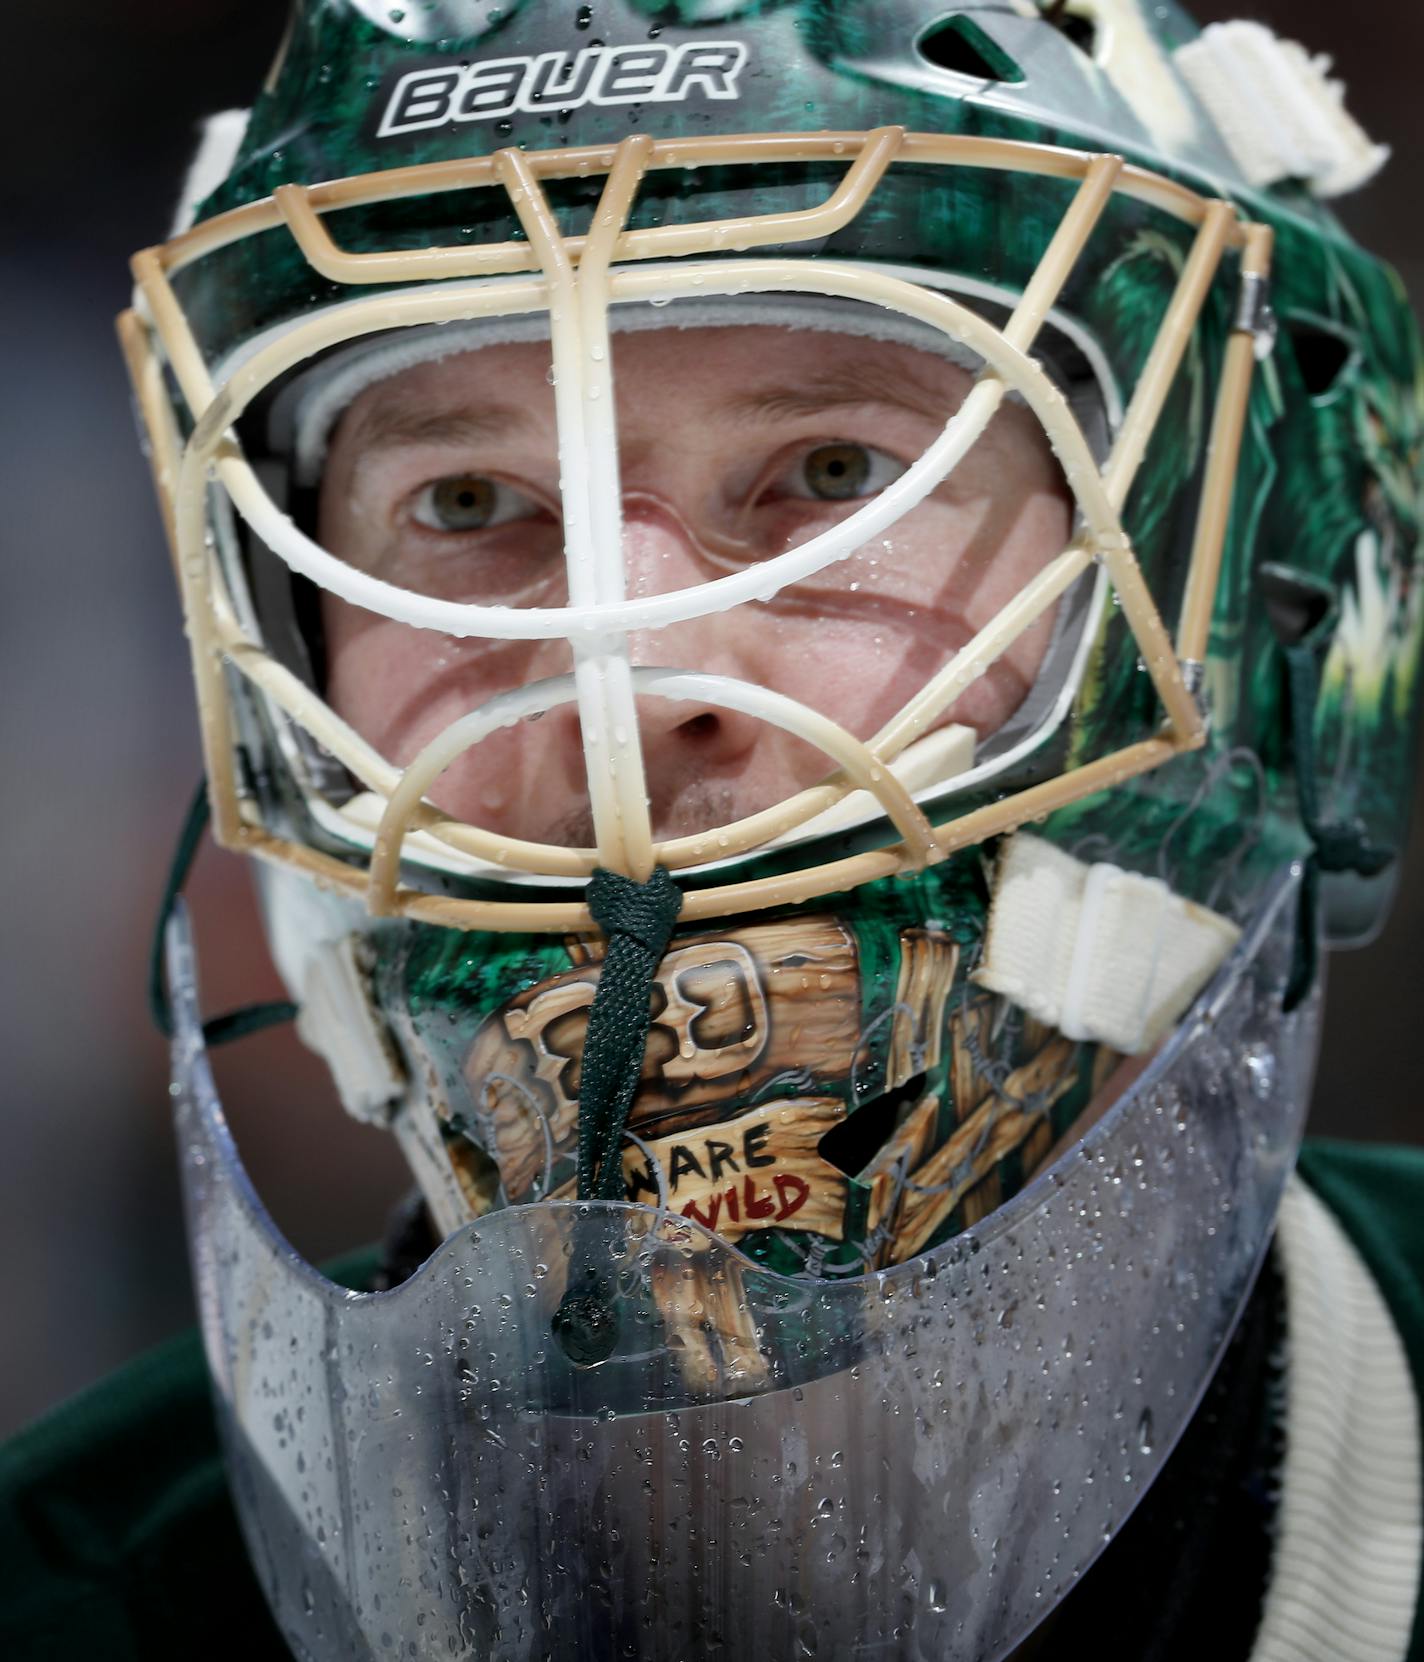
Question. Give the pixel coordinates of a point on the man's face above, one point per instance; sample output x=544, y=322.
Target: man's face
x=735, y=444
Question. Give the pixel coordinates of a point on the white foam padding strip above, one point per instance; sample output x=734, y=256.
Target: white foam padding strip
x=921, y=767
x=1345, y=1568
x=339, y=1021
x=1277, y=110
x=333, y=385
x=1101, y=954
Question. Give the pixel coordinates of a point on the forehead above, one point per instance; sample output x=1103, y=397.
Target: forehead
x=742, y=370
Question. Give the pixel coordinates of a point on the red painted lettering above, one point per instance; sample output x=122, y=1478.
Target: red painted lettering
x=707, y=1219
x=757, y=1205
x=793, y=1192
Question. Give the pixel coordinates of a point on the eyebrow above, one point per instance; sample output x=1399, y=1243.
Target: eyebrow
x=389, y=426
x=865, y=383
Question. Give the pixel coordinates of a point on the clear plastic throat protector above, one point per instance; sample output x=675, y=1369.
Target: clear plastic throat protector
x=917, y=1463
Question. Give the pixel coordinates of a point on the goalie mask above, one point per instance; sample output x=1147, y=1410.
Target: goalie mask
x=811, y=613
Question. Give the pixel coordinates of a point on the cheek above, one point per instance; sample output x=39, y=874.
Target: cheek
x=371, y=665
x=399, y=687
x=869, y=651
x=1039, y=534
x=858, y=668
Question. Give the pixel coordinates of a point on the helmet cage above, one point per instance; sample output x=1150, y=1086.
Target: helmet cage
x=575, y=278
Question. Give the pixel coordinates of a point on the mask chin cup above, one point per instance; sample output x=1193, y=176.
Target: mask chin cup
x=910, y=1464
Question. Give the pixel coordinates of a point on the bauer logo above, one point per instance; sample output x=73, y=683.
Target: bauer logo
x=648, y=74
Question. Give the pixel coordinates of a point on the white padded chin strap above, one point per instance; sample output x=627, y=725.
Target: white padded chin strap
x=1100, y=953
x=1345, y=1572
x=1277, y=110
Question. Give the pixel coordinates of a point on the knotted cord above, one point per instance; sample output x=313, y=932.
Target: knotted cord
x=638, y=919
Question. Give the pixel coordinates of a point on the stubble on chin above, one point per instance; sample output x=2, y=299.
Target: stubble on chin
x=699, y=805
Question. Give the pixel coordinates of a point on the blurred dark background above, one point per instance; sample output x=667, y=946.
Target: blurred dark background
x=99, y=745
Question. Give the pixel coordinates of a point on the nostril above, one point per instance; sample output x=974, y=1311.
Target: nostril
x=704, y=726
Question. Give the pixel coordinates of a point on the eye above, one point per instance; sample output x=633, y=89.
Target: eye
x=839, y=473
x=470, y=502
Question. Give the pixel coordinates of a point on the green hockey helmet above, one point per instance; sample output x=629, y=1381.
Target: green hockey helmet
x=797, y=601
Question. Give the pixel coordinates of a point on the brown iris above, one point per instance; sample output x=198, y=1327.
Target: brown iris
x=462, y=503
x=837, y=472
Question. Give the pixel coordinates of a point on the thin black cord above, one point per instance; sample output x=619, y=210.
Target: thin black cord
x=251, y=1018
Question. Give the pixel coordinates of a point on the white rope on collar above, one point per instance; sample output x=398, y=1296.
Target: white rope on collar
x=1345, y=1569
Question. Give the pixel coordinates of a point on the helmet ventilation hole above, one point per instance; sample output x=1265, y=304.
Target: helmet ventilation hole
x=1076, y=26
x=959, y=45
x=1322, y=355
x=1296, y=602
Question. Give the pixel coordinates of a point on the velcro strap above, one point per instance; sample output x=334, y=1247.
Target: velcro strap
x=1101, y=954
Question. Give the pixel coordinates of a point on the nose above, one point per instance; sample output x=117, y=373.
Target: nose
x=661, y=553
x=661, y=550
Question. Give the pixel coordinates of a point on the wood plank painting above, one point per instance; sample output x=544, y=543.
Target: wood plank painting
x=820, y=1093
